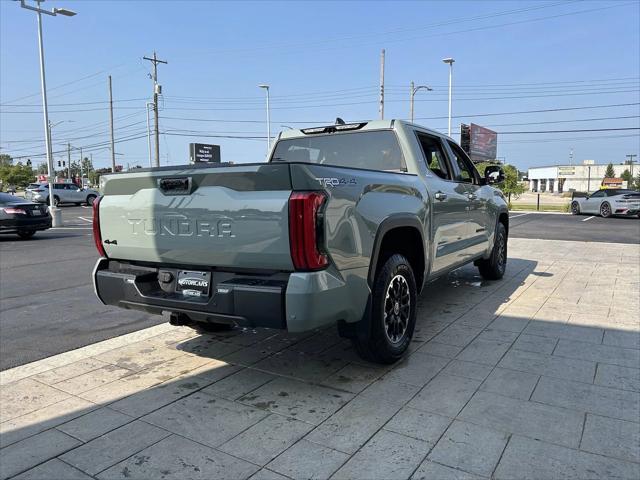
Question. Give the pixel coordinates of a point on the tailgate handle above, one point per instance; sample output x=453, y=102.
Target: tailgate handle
x=175, y=185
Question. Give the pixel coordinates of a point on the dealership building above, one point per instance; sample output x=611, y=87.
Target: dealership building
x=580, y=178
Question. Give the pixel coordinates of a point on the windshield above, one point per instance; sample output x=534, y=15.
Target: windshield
x=376, y=150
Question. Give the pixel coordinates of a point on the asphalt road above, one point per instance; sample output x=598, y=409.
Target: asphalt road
x=47, y=304
x=586, y=228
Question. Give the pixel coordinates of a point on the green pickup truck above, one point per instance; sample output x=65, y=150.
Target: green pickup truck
x=343, y=225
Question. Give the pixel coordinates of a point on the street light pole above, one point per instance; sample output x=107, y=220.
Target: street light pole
x=55, y=213
x=266, y=87
x=414, y=89
x=450, y=62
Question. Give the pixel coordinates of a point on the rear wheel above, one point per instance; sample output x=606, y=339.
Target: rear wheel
x=90, y=199
x=493, y=267
x=393, y=313
x=26, y=234
x=575, y=208
x=56, y=201
x=605, y=210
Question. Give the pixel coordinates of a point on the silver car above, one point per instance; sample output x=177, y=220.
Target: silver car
x=608, y=202
x=62, y=193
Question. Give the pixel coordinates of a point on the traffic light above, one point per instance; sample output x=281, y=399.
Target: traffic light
x=59, y=164
x=28, y=162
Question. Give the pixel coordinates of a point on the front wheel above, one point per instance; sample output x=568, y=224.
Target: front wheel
x=493, y=267
x=91, y=199
x=26, y=234
x=393, y=313
x=56, y=201
x=605, y=210
x=575, y=208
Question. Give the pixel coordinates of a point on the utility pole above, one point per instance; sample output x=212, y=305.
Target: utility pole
x=113, y=151
x=68, y=161
x=81, y=169
x=630, y=162
x=381, y=107
x=157, y=89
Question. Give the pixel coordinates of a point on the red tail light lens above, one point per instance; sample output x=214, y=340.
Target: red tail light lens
x=14, y=211
x=97, y=236
x=304, y=230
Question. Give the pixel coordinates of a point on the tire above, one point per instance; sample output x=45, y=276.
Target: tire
x=26, y=234
x=605, y=210
x=575, y=208
x=392, y=318
x=90, y=200
x=56, y=201
x=493, y=267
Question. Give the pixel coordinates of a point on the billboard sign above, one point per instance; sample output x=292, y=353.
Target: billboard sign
x=202, y=152
x=480, y=143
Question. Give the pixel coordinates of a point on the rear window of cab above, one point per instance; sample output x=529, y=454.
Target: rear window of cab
x=374, y=150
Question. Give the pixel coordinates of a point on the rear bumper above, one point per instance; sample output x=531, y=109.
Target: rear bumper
x=29, y=223
x=296, y=302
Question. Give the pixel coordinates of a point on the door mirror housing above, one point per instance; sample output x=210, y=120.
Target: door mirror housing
x=493, y=174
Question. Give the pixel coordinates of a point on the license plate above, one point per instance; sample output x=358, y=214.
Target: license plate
x=193, y=284
x=36, y=212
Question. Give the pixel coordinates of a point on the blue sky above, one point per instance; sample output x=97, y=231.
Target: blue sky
x=322, y=61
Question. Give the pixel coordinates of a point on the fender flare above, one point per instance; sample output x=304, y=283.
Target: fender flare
x=388, y=224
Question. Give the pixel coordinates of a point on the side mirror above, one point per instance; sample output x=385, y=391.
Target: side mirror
x=493, y=174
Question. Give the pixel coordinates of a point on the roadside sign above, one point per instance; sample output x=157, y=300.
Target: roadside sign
x=202, y=152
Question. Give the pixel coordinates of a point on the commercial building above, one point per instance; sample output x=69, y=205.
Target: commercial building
x=580, y=178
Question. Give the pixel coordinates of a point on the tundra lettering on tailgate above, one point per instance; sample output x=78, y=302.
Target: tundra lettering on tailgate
x=179, y=225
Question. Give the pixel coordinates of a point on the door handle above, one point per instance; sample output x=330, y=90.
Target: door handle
x=441, y=196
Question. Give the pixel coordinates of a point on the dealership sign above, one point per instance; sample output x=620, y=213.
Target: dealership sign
x=202, y=152
x=566, y=171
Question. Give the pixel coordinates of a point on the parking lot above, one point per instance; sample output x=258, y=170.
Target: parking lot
x=535, y=376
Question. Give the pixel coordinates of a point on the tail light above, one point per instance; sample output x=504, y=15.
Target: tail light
x=305, y=229
x=97, y=236
x=14, y=211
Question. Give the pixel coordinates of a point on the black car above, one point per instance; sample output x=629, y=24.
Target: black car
x=20, y=216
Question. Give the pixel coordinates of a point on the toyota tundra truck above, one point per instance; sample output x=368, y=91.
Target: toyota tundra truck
x=344, y=224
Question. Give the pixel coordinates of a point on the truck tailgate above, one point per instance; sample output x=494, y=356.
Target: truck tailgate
x=228, y=216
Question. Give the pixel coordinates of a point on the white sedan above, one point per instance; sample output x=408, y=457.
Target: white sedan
x=608, y=202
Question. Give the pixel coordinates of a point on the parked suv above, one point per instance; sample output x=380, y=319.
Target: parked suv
x=345, y=224
x=62, y=193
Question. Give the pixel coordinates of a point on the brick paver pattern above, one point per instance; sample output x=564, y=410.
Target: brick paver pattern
x=535, y=376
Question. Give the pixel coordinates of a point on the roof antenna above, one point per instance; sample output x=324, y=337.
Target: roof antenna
x=339, y=121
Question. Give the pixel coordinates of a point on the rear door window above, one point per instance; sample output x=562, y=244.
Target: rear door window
x=466, y=171
x=434, y=156
x=375, y=150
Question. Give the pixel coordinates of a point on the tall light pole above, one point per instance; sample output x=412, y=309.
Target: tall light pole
x=266, y=87
x=414, y=90
x=450, y=62
x=55, y=213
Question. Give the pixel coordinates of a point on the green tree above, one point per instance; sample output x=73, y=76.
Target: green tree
x=609, y=172
x=627, y=177
x=19, y=175
x=637, y=186
x=5, y=159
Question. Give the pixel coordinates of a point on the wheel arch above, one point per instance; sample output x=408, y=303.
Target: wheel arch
x=401, y=234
